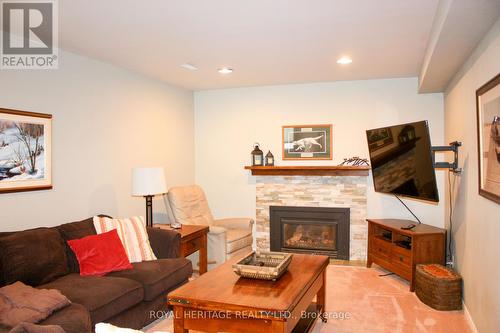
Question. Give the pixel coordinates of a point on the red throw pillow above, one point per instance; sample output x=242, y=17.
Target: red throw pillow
x=100, y=254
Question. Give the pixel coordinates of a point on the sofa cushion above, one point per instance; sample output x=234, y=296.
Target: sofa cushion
x=158, y=276
x=142, y=314
x=103, y=296
x=100, y=254
x=74, y=318
x=75, y=230
x=33, y=256
x=133, y=234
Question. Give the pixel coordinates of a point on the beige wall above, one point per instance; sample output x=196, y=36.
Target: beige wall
x=106, y=121
x=229, y=121
x=476, y=220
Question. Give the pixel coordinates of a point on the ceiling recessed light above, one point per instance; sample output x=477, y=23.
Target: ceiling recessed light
x=344, y=61
x=225, y=70
x=189, y=66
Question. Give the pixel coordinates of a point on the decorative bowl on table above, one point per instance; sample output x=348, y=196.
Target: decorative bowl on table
x=263, y=265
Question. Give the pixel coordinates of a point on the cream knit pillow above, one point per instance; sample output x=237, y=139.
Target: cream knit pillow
x=133, y=234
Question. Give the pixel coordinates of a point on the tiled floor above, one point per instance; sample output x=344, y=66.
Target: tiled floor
x=359, y=300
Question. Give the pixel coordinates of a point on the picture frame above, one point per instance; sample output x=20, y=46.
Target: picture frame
x=379, y=138
x=307, y=142
x=488, y=139
x=25, y=151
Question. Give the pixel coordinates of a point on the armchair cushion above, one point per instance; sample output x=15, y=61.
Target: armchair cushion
x=235, y=223
x=238, y=239
x=189, y=205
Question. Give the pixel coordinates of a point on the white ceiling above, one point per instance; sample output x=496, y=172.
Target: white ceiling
x=265, y=41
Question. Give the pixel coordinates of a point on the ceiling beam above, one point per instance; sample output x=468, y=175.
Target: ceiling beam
x=458, y=27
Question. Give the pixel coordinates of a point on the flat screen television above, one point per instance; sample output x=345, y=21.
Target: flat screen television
x=401, y=161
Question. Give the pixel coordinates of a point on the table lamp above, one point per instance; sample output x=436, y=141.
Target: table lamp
x=148, y=182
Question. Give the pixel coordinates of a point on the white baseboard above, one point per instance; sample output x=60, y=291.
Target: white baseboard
x=469, y=318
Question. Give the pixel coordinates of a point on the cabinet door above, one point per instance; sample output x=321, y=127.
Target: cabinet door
x=401, y=258
x=381, y=249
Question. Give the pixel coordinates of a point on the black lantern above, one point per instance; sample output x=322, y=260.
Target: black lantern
x=407, y=134
x=257, y=156
x=269, y=159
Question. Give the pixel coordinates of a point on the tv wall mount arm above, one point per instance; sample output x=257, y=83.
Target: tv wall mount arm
x=452, y=166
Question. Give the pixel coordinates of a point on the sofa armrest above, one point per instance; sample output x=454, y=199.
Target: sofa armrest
x=165, y=243
x=235, y=223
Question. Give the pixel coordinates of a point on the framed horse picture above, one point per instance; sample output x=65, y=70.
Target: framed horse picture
x=307, y=142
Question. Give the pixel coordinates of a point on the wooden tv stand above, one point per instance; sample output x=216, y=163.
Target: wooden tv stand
x=399, y=251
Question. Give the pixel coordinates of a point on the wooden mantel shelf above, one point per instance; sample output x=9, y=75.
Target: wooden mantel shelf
x=298, y=170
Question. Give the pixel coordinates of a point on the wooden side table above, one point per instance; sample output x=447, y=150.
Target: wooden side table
x=193, y=238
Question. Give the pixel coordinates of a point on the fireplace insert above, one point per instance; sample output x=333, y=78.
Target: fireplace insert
x=313, y=230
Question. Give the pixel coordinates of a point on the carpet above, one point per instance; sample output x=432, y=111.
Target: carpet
x=359, y=300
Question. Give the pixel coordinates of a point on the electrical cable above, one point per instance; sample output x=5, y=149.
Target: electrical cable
x=415, y=216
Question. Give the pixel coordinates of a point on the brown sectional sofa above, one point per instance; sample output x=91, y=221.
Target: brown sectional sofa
x=41, y=258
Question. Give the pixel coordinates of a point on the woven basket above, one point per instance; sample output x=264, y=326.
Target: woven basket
x=439, y=287
x=263, y=265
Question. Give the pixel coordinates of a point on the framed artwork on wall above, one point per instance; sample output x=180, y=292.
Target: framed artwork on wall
x=307, y=142
x=488, y=137
x=378, y=138
x=25, y=151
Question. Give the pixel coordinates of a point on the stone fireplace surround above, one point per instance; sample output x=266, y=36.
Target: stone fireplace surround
x=314, y=191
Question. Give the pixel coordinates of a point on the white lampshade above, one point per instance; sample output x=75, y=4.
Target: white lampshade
x=148, y=181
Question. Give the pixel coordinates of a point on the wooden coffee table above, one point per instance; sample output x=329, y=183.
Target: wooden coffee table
x=193, y=238
x=221, y=301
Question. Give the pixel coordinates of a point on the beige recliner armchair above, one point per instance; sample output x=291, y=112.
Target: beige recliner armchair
x=227, y=237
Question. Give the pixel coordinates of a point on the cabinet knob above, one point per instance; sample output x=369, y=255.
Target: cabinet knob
x=400, y=258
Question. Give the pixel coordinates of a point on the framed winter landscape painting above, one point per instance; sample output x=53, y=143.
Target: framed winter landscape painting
x=488, y=134
x=307, y=142
x=25, y=151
